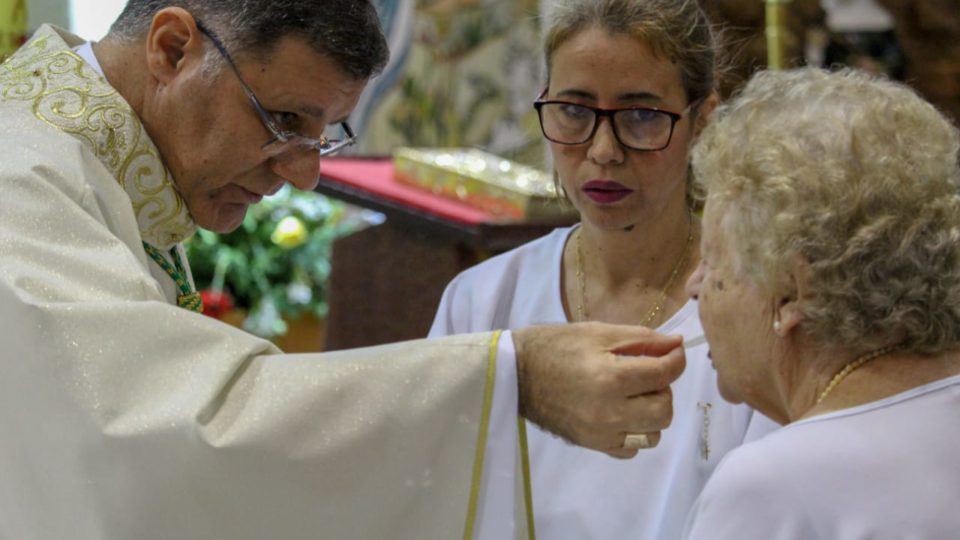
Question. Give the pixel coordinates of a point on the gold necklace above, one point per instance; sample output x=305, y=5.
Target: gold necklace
x=849, y=368
x=583, y=313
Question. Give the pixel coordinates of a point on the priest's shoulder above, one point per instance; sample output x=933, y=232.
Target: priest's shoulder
x=30, y=148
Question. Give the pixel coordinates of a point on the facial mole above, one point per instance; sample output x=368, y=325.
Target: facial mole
x=718, y=285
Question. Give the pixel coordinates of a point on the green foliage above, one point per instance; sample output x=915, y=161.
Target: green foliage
x=276, y=264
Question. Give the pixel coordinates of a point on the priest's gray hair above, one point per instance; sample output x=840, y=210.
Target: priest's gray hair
x=347, y=31
x=850, y=182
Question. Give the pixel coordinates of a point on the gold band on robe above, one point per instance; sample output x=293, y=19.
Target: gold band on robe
x=482, y=437
x=527, y=483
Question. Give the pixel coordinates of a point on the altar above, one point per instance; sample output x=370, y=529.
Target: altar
x=387, y=280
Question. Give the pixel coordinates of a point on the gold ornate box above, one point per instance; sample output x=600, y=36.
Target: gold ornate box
x=496, y=185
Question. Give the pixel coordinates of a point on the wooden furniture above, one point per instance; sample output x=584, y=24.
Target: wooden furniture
x=387, y=280
x=928, y=32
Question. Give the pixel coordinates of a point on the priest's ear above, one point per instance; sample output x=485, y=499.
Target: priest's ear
x=173, y=42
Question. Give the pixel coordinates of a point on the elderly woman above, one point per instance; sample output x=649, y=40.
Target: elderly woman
x=829, y=291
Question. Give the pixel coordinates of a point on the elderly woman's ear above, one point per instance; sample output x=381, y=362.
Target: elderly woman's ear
x=787, y=312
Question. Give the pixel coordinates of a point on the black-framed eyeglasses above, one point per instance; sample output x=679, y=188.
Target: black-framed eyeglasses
x=283, y=141
x=638, y=128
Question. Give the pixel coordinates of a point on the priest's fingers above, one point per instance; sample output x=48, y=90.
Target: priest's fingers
x=572, y=383
x=648, y=412
x=644, y=414
x=644, y=374
x=651, y=344
x=628, y=340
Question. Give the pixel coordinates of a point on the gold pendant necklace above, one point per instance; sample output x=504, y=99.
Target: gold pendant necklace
x=849, y=368
x=583, y=312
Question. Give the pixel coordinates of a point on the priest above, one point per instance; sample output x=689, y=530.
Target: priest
x=126, y=414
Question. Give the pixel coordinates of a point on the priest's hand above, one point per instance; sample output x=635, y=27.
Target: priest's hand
x=600, y=386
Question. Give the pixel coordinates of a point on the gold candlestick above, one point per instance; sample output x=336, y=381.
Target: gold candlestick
x=776, y=32
x=13, y=25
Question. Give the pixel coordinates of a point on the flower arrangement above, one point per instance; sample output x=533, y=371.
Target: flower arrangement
x=276, y=264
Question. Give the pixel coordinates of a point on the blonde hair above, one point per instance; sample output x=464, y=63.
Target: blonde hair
x=677, y=29
x=856, y=176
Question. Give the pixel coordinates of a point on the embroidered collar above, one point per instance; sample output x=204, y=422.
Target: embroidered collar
x=68, y=94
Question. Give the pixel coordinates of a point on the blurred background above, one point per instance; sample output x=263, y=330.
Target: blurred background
x=463, y=74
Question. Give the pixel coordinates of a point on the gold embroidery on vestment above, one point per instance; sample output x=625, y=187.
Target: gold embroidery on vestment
x=69, y=95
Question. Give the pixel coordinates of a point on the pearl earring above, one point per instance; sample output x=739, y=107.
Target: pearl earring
x=776, y=326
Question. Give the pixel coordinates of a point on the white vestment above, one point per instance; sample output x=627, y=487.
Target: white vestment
x=886, y=470
x=125, y=417
x=579, y=494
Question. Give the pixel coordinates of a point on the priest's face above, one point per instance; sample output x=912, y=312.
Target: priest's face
x=213, y=139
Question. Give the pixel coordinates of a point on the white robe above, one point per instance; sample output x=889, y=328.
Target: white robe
x=886, y=470
x=579, y=494
x=125, y=417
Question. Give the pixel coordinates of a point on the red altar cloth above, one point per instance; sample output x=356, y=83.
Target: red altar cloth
x=376, y=176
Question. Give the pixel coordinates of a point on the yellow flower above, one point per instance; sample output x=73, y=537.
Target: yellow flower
x=290, y=233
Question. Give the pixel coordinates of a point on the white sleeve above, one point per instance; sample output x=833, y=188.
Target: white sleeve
x=472, y=300
x=444, y=322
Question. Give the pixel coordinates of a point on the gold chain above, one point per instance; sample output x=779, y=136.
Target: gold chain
x=583, y=312
x=849, y=368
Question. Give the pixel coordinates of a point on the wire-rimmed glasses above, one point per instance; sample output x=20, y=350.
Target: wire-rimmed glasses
x=638, y=128
x=283, y=141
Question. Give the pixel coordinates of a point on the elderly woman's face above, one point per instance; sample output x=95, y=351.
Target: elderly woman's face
x=737, y=320
x=612, y=186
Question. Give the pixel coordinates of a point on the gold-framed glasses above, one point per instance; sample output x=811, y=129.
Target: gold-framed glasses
x=283, y=141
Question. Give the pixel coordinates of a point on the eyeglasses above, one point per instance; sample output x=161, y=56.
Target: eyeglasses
x=638, y=128
x=283, y=141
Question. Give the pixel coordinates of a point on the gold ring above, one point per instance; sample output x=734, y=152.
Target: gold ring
x=634, y=441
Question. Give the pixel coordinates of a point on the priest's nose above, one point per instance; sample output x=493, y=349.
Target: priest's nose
x=301, y=169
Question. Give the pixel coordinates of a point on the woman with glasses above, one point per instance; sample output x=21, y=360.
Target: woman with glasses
x=630, y=84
